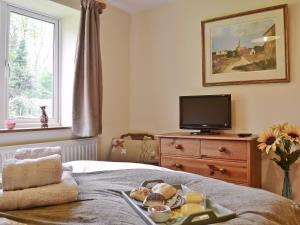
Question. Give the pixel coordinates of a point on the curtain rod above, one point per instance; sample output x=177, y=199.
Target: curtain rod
x=101, y=4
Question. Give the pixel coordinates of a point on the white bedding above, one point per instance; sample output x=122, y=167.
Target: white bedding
x=86, y=166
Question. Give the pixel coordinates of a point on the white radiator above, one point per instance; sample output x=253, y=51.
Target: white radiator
x=79, y=149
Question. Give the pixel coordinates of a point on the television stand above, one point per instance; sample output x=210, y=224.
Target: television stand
x=205, y=132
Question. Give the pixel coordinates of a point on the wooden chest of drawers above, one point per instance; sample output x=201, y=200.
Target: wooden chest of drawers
x=226, y=157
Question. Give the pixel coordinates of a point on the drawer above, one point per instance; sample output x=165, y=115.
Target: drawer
x=228, y=171
x=184, y=147
x=234, y=150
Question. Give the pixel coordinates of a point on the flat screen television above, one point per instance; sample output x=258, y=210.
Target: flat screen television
x=205, y=113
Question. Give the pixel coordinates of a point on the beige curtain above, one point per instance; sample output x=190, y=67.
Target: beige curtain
x=87, y=97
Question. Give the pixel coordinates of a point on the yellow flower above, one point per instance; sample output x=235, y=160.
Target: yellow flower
x=268, y=140
x=293, y=133
x=280, y=127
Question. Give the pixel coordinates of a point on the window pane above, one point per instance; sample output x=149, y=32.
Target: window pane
x=30, y=83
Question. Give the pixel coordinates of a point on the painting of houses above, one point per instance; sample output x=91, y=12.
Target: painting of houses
x=248, y=46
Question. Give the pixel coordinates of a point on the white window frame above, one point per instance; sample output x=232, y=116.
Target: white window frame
x=5, y=10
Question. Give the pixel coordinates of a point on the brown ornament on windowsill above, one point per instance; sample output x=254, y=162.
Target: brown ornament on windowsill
x=44, y=117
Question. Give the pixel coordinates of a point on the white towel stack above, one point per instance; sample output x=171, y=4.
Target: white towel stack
x=35, y=178
x=34, y=153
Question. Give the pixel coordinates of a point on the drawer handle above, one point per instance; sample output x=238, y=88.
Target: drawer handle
x=178, y=166
x=178, y=146
x=214, y=169
x=222, y=170
x=222, y=149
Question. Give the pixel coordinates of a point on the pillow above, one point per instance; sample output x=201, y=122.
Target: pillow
x=141, y=151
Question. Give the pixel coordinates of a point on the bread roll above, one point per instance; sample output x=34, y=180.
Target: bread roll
x=165, y=189
x=140, y=193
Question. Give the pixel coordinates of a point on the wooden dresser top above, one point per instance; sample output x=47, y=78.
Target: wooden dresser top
x=223, y=136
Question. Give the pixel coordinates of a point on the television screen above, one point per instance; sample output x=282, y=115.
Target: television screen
x=205, y=112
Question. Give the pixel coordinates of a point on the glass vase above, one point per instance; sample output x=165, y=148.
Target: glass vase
x=287, y=186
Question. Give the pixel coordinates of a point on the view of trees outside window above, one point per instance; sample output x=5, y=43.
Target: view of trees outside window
x=30, y=82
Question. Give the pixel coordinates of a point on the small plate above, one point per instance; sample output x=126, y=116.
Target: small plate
x=176, y=201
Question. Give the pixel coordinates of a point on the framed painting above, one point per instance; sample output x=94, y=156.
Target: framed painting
x=246, y=48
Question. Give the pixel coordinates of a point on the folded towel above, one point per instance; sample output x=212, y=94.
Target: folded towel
x=64, y=192
x=34, y=153
x=27, y=173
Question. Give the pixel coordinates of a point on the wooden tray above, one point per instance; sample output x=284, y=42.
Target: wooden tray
x=214, y=213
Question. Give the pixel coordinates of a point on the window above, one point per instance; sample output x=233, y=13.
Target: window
x=30, y=74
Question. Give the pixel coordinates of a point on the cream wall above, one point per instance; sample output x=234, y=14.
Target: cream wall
x=165, y=53
x=69, y=27
x=115, y=27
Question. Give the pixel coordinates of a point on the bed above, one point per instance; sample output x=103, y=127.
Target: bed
x=100, y=201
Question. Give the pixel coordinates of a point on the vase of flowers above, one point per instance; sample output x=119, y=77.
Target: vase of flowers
x=281, y=142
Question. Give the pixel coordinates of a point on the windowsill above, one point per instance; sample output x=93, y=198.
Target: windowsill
x=32, y=129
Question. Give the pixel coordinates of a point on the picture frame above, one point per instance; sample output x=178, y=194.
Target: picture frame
x=246, y=48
